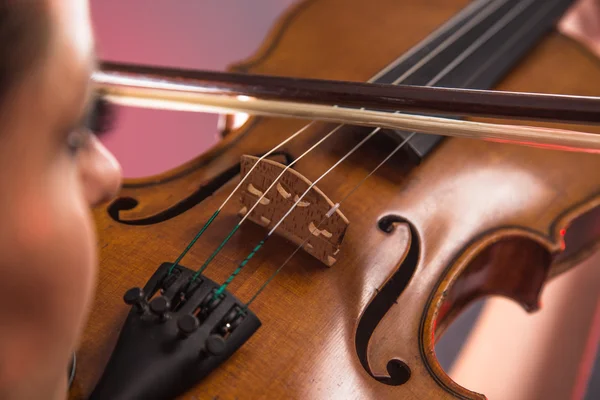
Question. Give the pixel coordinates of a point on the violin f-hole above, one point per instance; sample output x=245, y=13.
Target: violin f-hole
x=204, y=191
x=399, y=371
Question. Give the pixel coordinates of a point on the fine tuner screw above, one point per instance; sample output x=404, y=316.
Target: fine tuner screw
x=137, y=298
x=215, y=345
x=187, y=325
x=160, y=307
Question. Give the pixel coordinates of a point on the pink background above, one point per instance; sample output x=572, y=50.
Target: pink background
x=187, y=34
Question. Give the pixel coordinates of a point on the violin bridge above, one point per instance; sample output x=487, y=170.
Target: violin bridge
x=311, y=219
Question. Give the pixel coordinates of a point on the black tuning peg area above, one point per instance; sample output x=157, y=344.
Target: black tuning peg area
x=171, y=347
x=187, y=325
x=137, y=298
x=160, y=306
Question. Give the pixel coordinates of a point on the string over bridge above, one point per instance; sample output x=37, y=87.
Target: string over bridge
x=322, y=239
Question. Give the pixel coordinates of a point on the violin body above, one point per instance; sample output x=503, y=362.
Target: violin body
x=424, y=239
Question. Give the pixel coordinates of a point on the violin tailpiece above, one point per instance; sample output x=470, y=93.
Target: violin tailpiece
x=175, y=334
x=308, y=222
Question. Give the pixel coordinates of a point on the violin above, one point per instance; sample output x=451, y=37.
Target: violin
x=301, y=259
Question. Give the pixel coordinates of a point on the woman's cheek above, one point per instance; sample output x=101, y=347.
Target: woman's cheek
x=75, y=255
x=48, y=263
x=57, y=245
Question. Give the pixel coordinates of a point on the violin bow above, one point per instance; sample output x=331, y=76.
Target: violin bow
x=381, y=105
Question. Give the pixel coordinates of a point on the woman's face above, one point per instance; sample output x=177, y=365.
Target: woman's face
x=47, y=237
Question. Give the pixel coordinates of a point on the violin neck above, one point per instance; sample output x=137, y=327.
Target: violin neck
x=474, y=50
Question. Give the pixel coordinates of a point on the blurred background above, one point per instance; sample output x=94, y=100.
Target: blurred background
x=204, y=35
x=185, y=34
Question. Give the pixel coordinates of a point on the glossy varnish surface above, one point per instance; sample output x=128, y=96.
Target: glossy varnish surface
x=486, y=216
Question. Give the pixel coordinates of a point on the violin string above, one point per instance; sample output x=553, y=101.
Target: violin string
x=337, y=205
x=469, y=50
x=329, y=213
x=237, y=226
x=212, y=218
x=518, y=35
x=486, y=11
x=270, y=233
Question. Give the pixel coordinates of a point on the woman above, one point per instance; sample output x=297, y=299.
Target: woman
x=52, y=170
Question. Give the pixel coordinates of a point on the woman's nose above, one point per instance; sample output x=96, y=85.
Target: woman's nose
x=101, y=173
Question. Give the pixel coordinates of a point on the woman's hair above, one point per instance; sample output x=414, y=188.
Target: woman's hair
x=24, y=39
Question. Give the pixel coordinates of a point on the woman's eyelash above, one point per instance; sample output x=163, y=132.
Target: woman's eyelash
x=101, y=116
x=98, y=120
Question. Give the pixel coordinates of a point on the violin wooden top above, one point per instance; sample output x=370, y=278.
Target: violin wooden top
x=473, y=219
